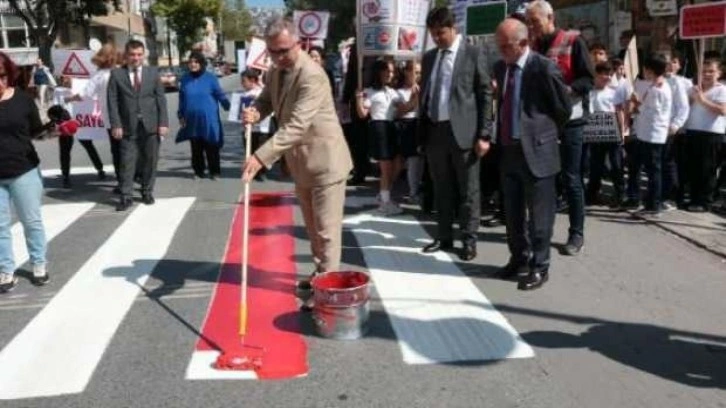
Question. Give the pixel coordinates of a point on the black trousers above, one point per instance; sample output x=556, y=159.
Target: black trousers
x=455, y=178
x=701, y=149
x=648, y=156
x=357, y=138
x=202, y=149
x=670, y=168
x=598, y=153
x=139, y=150
x=530, y=204
x=115, y=155
x=65, y=144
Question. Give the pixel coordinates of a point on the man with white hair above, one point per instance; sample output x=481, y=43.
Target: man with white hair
x=310, y=138
x=569, y=51
x=533, y=107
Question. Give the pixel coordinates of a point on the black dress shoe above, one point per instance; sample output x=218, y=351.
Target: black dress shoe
x=468, y=252
x=512, y=270
x=124, y=204
x=533, y=281
x=438, y=245
x=573, y=246
x=148, y=199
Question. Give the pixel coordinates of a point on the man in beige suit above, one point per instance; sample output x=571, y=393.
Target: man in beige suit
x=309, y=137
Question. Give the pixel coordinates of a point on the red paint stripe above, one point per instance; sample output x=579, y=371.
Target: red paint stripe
x=272, y=321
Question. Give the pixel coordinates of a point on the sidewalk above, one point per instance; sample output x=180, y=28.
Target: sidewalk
x=706, y=230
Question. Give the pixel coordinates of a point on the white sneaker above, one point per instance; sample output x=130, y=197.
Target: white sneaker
x=389, y=208
x=668, y=206
x=40, y=275
x=7, y=282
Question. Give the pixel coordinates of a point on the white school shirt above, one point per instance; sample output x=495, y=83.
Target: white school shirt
x=704, y=119
x=605, y=100
x=381, y=103
x=679, y=113
x=59, y=95
x=97, y=89
x=262, y=126
x=654, y=116
x=447, y=73
x=404, y=95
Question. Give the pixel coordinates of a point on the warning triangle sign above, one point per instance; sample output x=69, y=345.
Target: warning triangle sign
x=262, y=62
x=74, y=66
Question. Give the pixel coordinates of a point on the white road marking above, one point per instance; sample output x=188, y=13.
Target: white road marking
x=56, y=218
x=58, y=351
x=50, y=173
x=438, y=314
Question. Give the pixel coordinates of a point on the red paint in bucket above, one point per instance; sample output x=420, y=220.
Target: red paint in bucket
x=341, y=304
x=341, y=289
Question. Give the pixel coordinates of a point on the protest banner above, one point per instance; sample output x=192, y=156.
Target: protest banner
x=88, y=113
x=602, y=127
x=311, y=24
x=257, y=56
x=73, y=63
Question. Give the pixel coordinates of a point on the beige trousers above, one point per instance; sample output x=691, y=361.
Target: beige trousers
x=322, y=209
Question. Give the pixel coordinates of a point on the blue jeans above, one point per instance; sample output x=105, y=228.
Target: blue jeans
x=26, y=193
x=571, y=152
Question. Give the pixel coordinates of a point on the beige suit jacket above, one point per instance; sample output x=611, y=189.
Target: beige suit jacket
x=309, y=134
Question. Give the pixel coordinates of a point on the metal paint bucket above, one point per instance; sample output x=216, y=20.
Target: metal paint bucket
x=341, y=307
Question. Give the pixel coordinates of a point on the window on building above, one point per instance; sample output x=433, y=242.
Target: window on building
x=16, y=39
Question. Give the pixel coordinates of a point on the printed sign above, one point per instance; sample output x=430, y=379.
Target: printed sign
x=392, y=27
x=483, y=17
x=239, y=101
x=376, y=11
x=88, y=114
x=311, y=24
x=703, y=20
x=411, y=38
x=602, y=127
x=73, y=63
x=257, y=56
x=241, y=60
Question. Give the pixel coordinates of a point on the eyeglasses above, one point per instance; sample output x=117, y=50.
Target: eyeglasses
x=279, y=52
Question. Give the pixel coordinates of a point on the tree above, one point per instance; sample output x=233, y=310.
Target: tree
x=187, y=18
x=236, y=22
x=45, y=17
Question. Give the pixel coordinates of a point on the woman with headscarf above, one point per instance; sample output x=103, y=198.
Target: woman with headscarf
x=199, y=99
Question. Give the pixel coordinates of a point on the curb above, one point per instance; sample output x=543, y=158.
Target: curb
x=674, y=231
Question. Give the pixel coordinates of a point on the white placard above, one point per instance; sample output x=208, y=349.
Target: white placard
x=238, y=102
x=74, y=63
x=311, y=24
x=257, y=56
x=241, y=60
x=392, y=27
x=88, y=114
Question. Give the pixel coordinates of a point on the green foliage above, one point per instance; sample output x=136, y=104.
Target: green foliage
x=236, y=21
x=45, y=17
x=187, y=18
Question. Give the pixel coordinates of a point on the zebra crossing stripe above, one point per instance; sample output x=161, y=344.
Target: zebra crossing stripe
x=58, y=351
x=49, y=173
x=56, y=218
x=437, y=313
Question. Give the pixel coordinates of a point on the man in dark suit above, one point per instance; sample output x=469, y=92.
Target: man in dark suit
x=456, y=112
x=527, y=134
x=137, y=111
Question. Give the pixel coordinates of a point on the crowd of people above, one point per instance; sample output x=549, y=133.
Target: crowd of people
x=510, y=136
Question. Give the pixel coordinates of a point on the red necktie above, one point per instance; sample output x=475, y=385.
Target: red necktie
x=137, y=83
x=505, y=118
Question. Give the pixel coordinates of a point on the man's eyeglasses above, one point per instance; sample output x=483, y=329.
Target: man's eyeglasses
x=279, y=52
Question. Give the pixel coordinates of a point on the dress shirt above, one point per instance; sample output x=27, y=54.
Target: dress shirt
x=447, y=73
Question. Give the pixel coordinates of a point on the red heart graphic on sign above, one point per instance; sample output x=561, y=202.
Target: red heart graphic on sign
x=384, y=38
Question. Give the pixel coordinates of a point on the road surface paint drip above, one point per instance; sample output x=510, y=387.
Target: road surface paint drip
x=271, y=294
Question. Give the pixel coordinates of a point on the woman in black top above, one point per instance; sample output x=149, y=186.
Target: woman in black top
x=20, y=180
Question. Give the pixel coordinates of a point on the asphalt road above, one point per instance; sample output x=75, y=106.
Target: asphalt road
x=635, y=321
